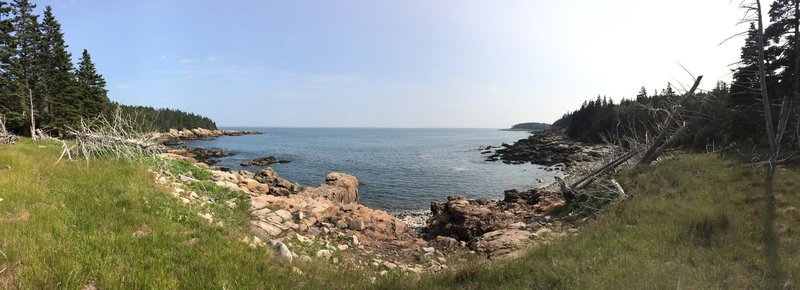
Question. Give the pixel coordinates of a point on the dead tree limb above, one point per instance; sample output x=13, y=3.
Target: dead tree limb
x=5, y=137
x=671, y=141
x=620, y=192
x=589, y=178
x=651, y=154
x=113, y=138
x=762, y=79
x=566, y=190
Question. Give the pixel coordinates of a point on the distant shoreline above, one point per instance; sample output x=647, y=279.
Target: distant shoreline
x=522, y=130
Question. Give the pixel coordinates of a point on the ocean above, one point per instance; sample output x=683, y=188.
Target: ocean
x=398, y=169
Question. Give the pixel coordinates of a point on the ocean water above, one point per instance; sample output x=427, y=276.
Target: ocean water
x=398, y=169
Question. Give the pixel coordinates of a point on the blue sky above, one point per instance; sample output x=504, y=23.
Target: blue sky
x=395, y=63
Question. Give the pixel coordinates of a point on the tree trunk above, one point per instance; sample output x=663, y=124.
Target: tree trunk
x=796, y=75
x=589, y=178
x=33, y=118
x=762, y=79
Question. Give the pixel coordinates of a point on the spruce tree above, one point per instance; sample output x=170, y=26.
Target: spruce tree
x=61, y=106
x=91, y=87
x=24, y=67
x=9, y=103
x=784, y=31
x=743, y=101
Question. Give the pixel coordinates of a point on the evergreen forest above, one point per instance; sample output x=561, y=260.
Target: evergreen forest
x=42, y=89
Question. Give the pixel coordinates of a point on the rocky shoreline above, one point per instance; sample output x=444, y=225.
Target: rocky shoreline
x=287, y=213
x=547, y=148
x=179, y=137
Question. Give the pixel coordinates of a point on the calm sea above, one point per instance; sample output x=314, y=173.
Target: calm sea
x=399, y=169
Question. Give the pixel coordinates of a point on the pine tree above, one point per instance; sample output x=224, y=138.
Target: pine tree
x=24, y=66
x=668, y=91
x=61, y=106
x=642, y=94
x=9, y=102
x=743, y=102
x=785, y=34
x=91, y=87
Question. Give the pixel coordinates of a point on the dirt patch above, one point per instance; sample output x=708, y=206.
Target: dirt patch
x=17, y=217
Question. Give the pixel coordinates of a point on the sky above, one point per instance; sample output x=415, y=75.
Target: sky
x=405, y=63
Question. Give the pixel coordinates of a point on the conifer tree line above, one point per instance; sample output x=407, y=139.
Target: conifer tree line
x=728, y=114
x=41, y=88
x=161, y=120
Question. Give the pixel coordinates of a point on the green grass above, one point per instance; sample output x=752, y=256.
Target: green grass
x=62, y=225
x=180, y=167
x=697, y=222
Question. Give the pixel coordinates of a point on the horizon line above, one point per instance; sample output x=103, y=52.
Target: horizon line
x=355, y=127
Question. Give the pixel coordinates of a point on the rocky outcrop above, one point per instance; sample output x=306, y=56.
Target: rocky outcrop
x=502, y=242
x=488, y=226
x=278, y=185
x=206, y=155
x=339, y=187
x=174, y=136
x=465, y=219
x=549, y=147
x=264, y=161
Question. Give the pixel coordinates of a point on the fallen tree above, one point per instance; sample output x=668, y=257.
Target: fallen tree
x=116, y=138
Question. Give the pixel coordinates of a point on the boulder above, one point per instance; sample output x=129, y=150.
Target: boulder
x=356, y=225
x=501, y=241
x=256, y=187
x=264, y=161
x=445, y=243
x=277, y=185
x=323, y=254
x=339, y=187
x=530, y=197
x=389, y=265
x=464, y=219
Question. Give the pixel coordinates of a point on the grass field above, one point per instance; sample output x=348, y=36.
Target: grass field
x=696, y=222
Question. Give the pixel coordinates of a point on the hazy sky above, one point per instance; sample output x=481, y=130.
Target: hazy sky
x=396, y=63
